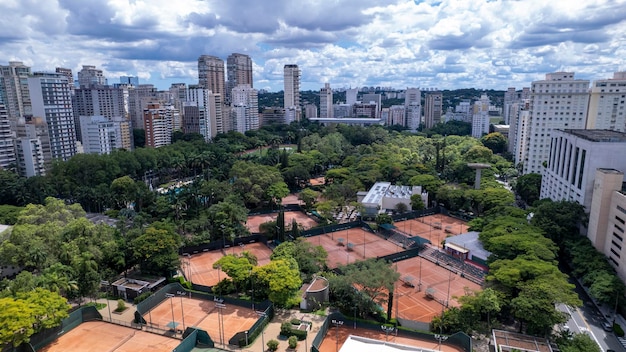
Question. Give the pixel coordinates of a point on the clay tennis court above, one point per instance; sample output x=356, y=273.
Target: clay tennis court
x=413, y=303
x=304, y=220
x=329, y=344
x=203, y=314
x=355, y=244
x=434, y=228
x=102, y=336
x=199, y=267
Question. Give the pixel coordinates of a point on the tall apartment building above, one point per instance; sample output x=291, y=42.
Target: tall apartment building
x=90, y=76
x=177, y=95
x=326, y=102
x=33, y=147
x=413, y=108
x=433, y=108
x=67, y=72
x=512, y=98
x=211, y=74
x=14, y=91
x=558, y=102
x=607, y=102
x=574, y=156
x=138, y=99
x=244, y=108
x=607, y=218
x=158, y=125
x=291, y=75
x=239, y=70
x=100, y=100
x=396, y=115
x=480, y=117
x=51, y=99
x=310, y=111
x=7, y=149
x=351, y=96
x=102, y=135
x=206, y=112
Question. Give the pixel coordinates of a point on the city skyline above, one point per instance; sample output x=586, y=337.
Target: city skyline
x=404, y=43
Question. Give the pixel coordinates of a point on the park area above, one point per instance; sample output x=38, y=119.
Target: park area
x=199, y=267
x=351, y=245
x=221, y=321
x=336, y=337
x=102, y=336
x=255, y=221
x=422, y=302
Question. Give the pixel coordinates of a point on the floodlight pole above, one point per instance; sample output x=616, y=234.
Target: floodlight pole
x=182, y=310
x=337, y=323
x=170, y=296
x=387, y=330
x=262, y=314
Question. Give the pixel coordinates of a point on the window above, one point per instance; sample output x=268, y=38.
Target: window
x=620, y=220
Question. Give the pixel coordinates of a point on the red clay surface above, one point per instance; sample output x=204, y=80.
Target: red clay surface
x=433, y=227
x=304, y=220
x=412, y=303
x=203, y=314
x=292, y=198
x=199, y=267
x=364, y=245
x=329, y=344
x=102, y=336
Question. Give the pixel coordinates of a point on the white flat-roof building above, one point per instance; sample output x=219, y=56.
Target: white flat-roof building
x=385, y=196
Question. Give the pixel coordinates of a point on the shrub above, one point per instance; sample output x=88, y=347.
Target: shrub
x=295, y=321
x=272, y=345
x=618, y=330
x=299, y=334
x=121, y=305
x=285, y=329
x=142, y=297
x=293, y=342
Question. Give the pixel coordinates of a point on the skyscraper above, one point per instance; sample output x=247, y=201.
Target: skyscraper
x=158, y=125
x=14, y=91
x=102, y=135
x=7, y=150
x=138, y=99
x=433, y=106
x=239, y=69
x=480, y=117
x=607, y=103
x=326, y=102
x=558, y=102
x=67, y=72
x=245, y=108
x=413, y=108
x=104, y=101
x=211, y=74
x=292, y=90
x=51, y=100
x=90, y=76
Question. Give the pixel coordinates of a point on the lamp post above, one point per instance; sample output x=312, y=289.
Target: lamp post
x=387, y=330
x=263, y=315
x=355, y=316
x=440, y=338
x=182, y=310
x=252, y=286
x=170, y=296
x=337, y=323
x=419, y=285
x=220, y=322
x=219, y=268
x=246, y=337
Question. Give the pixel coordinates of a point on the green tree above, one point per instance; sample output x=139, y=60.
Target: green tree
x=494, y=141
x=311, y=259
x=374, y=278
x=559, y=220
x=309, y=197
x=277, y=191
x=124, y=191
x=528, y=187
x=17, y=321
x=157, y=250
x=280, y=278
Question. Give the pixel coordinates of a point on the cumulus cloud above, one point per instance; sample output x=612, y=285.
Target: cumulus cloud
x=400, y=43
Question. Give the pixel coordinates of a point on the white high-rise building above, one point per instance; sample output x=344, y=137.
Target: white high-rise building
x=102, y=135
x=90, y=76
x=351, y=94
x=158, y=122
x=33, y=147
x=412, y=96
x=520, y=133
x=100, y=100
x=14, y=91
x=207, y=113
x=245, y=108
x=7, y=149
x=607, y=103
x=480, y=117
x=292, y=93
x=558, y=102
x=51, y=100
x=413, y=107
x=326, y=102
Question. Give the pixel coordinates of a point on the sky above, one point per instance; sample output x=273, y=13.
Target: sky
x=442, y=44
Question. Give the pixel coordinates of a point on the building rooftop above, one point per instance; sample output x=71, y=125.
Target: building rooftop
x=606, y=136
x=377, y=192
x=471, y=242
